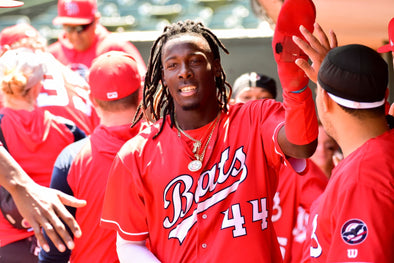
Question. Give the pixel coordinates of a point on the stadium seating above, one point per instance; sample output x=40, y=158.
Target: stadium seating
x=140, y=15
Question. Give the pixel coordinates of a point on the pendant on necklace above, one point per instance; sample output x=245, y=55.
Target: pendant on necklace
x=194, y=166
x=196, y=146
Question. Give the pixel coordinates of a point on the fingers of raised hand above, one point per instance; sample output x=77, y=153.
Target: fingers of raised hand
x=317, y=46
x=307, y=68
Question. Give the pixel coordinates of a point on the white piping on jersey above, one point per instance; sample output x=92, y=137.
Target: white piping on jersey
x=124, y=232
x=298, y=165
x=274, y=139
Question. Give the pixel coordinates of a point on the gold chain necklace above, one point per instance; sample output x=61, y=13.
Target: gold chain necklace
x=196, y=165
x=196, y=143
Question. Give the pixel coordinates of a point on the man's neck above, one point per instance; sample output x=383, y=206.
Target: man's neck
x=189, y=120
x=19, y=103
x=117, y=118
x=353, y=133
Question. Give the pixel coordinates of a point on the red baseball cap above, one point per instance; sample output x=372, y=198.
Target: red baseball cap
x=12, y=34
x=75, y=12
x=10, y=3
x=390, y=45
x=114, y=75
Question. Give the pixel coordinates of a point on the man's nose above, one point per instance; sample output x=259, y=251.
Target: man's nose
x=185, y=72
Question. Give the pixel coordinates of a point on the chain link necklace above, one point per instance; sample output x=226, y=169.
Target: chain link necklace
x=196, y=165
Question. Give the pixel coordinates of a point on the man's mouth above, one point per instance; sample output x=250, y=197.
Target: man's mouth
x=188, y=90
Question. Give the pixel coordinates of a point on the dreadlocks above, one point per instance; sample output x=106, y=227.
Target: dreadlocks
x=157, y=100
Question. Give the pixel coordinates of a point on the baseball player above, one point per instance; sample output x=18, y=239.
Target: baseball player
x=295, y=193
x=253, y=86
x=198, y=185
x=33, y=137
x=349, y=221
x=83, y=38
x=64, y=92
x=82, y=168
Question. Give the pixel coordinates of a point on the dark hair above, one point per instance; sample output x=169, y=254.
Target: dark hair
x=157, y=101
x=365, y=113
x=120, y=104
x=253, y=79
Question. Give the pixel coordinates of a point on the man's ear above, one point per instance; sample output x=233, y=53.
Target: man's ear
x=36, y=89
x=326, y=100
x=92, y=100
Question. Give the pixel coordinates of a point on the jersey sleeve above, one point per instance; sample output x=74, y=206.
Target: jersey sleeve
x=125, y=190
x=272, y=119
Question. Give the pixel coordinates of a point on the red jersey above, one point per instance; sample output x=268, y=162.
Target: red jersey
x=295, y=194
x=81, y=61
x=351, y=221
x=34, y=139
x=87, y=179
x=220, y=213
x=65, y=93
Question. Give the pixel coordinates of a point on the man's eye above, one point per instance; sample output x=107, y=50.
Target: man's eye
x=195, y=61
x=331, y=148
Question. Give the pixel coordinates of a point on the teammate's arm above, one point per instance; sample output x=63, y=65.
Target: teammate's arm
x=316, y=49
x=298, y=137
x=41, y=206
x=134, y=251
x=293, y=150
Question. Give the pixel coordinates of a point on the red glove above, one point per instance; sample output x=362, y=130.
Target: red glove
x=292, y=14
x=300, y=119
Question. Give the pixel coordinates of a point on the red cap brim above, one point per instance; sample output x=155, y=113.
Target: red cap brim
x=10, y=3
x=62, y=20
x=386, y=48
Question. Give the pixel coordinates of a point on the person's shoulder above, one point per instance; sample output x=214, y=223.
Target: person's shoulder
x=378, y=154
x=145, y=136
x=59, y=119
x=74, y=148
x=68, y=154
x=370, y=166
x=54, y=47
x=256, y=103
x=376, y=150
x=68, y=124
x=386, y=139
x=255, y=107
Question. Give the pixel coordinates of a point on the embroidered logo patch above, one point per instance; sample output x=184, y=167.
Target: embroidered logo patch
x=112, y=95
x=354, y=231
x=71, y=8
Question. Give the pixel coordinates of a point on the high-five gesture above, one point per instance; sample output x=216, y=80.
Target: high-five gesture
x=316, y=48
